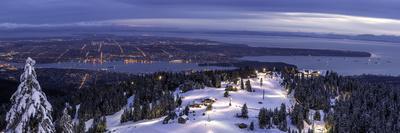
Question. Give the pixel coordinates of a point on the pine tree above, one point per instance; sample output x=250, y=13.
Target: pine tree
x=244, y=111
x=30, y=111
x=99, y=125
x=126, y=115
x=251, y=127
x=103, y=125
x=80, y=127
x=179, y=101
x=241, y=84
x=226, y=94
x=137, y=111
x=186, y=111
x=298, y=115
x=282, y=118
x=262, y=118
x=275, y=117
x=317, y=116
x=269, y=115
x=248, y=86
x=64, y=124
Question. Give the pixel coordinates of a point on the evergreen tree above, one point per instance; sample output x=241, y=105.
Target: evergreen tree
x=298, y=116
x=126, y=115
x=248, y=86
x=269, y=115
x=64, y=124
x=145, y=110
x=275, y=117
x=244, y=111
x=262, y=118
x=216, y=81
x=137, y=111
x=251, y=127
x=282, y=118
x=226, y=94
x=99, y=125
x=179, y=101
x=241, y=84
x=30, y=111
x=80, y=127
x=186, y=110
x=317, y=116
x=283, y=125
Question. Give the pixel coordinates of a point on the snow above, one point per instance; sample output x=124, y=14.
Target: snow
x=76, y=116
x=130, y=101
x=319, y=126
x=112, y=120
x=222, y=117
x=29, y=102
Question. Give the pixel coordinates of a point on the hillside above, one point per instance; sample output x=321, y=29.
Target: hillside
x=222, y=117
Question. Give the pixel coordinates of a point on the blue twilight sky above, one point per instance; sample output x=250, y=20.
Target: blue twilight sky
x=326, y=16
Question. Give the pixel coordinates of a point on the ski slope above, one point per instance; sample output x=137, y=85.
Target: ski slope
x=222, y=118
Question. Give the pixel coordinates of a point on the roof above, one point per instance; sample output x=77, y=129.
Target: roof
x=184, y=116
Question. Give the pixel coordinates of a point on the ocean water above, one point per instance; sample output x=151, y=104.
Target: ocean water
x=385, y=58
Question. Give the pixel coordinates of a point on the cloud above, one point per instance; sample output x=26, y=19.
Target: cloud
x=277, y=21
x=255, y=21
x=62, y=11
x=336, y=16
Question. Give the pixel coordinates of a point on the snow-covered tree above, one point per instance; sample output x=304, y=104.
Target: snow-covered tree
x=30, y=110
x=64, y=124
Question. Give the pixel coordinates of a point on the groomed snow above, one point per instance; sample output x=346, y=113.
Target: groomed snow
x=222, y=117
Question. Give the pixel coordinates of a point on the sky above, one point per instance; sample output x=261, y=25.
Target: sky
x=325, y=16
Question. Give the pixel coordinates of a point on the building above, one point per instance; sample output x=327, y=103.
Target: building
x=182, y=119
x=309, y=73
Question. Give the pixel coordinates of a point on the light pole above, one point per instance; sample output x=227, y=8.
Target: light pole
x=263, y=94
x=230, y=101
x=261, y=83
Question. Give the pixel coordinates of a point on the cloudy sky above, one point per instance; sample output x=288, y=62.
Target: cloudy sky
x=327, y=16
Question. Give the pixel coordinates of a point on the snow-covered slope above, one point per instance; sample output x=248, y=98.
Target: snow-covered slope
x=222, y=117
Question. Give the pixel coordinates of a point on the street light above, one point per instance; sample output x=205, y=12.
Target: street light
x=230, y=101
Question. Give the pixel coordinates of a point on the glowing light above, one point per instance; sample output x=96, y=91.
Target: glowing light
x=151, y=122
